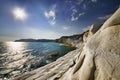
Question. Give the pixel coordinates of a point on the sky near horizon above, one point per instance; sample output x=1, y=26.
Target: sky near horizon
x=51, y=19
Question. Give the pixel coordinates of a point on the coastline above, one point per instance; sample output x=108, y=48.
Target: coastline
x=97, y=58
x=26, y=58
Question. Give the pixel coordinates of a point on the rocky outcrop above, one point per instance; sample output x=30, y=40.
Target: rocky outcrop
x=77, y=40
x=52, y=71
x=53, y=55
x=97, y=59
x=74, y=40
x=93, y=29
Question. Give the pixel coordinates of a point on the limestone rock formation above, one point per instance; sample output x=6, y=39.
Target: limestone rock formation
x=93, y=29
x=73, y=40
x=97, y=59
x=53, y=55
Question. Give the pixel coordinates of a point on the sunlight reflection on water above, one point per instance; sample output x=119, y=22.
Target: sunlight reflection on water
x=15, y=50
x=22, y=57
x=15, y=56
x=16, y=46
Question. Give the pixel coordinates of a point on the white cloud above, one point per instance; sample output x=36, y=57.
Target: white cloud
x=104, y=17
x=84, y=6
x=52, y=22
x=51, y=15
x=72, y=7
x=68, y=1
x=74, y=18
x=74, y=10
x=80, y=14
x=79, y=2
x=66, y=27
x=94, y=1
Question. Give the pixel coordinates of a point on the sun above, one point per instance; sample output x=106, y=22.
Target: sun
x=20, y=13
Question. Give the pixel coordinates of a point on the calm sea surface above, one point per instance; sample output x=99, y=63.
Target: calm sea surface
x=20, y=57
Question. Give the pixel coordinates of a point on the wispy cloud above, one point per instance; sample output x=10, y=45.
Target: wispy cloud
x=94, y=1
x=80, y=14
x=68, y=1
x=52, y=22
x=84, y=6
x=66, y=27
x=104, y=17
x=79, y=2
x=51, y=15
x=74, y=18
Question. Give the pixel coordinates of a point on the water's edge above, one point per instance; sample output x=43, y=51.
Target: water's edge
x=19, y=57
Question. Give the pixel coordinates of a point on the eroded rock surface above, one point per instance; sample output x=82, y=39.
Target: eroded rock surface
x=97, y=59
x=93, y=29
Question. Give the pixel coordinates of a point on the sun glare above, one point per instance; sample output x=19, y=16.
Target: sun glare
x=15, y=46
x=19, y=13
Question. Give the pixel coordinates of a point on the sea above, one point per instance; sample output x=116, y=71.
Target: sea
x=19, y=57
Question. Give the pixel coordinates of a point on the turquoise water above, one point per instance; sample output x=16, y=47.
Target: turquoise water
x=20, y=57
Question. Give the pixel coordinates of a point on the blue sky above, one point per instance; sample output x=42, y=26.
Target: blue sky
x=51, y=19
